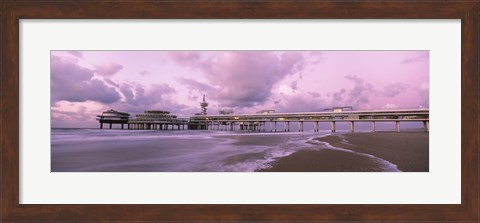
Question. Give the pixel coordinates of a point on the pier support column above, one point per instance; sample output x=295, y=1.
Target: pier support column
x=110, y=125
x=122, y=125
x=333, y=127
x=101, y=125
x=300, y=126
x=352, y=126
x=275, y=124
x=425, y=126
x=398, y=126
x=264, y=126
x=373, y=126
x=288, y=126
x=315, y=126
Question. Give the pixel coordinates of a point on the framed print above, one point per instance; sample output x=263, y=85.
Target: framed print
x=239, y=111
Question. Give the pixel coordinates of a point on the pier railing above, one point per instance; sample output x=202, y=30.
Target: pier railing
x=258, y=122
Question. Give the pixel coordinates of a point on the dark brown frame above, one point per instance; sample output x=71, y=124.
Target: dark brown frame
x=12, y=11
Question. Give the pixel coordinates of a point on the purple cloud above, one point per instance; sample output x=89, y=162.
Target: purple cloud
x=243, y=78
x=337, y=98
x=392, y=90
x=196, y=85
x=314, y=94
x=300, y=103
x=360, y=93
x=71, y=82
x=421, y=57
x=108, y=69
x=138, y=98
x=186, y=58
x=293, y=85
x=75, y=53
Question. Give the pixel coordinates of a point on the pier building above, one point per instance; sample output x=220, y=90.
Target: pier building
x=113, y=117
x=157, y=120
x=259, y=121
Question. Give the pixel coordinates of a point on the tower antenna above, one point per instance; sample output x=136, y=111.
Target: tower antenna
x=203, y=106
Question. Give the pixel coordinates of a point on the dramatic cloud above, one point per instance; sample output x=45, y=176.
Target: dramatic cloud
x=196, y=85
x=186, y=58
x=359, y=95
x=337, y=99
x=243, y=78
x=75, y=53
x=139, y=98
x=71, y=82
x=393, y=89
x=110, y=82
x=108, y=69
x=300, y=103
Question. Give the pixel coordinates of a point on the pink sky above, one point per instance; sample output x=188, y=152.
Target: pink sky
x=85, y=83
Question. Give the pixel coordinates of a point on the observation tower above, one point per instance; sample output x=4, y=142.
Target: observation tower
x=203, y=106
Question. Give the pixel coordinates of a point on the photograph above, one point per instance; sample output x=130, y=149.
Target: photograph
x=239, y=111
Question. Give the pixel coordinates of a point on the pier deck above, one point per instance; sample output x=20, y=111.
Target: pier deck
x=257, y=122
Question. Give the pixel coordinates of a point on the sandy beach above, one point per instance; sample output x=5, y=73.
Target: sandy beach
x=409, y=151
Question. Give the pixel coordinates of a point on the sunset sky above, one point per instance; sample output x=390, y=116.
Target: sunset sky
x=85, y=83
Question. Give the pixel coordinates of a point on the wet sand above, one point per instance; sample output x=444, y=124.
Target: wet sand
x=407, y=150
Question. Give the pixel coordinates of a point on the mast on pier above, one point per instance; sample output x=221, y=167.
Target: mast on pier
x=203, y=106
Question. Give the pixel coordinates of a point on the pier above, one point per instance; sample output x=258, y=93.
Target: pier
x=265, y=120
x=284, y=121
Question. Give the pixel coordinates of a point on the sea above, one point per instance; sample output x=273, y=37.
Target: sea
x=114, y=150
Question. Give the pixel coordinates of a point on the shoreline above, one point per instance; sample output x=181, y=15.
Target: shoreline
x=409, y=151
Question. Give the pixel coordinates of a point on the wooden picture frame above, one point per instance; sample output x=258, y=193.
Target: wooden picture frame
x=13, y=11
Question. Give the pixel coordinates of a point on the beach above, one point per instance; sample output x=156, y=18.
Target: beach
x=360, y=152
x=94, y=150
